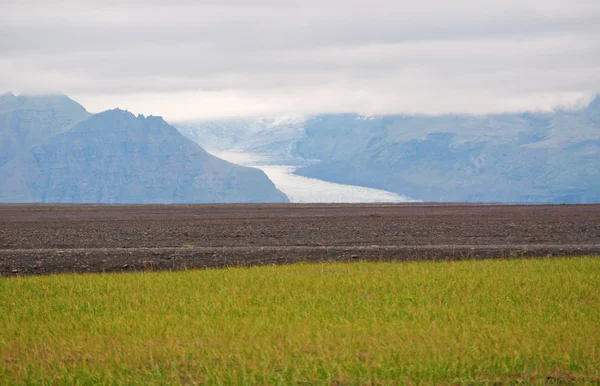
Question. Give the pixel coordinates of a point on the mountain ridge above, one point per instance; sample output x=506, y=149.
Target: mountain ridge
x=522, y=157
x=116, y=157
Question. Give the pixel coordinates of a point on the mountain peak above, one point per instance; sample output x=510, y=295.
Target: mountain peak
x=52, y=97
x=118, y=122
x=118, y=113
x=7, y=97
x=55, y=102
x=595, y=103
x=593, y=109
x=27, y=120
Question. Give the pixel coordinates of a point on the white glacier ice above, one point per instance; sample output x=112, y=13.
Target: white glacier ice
x=310, y=190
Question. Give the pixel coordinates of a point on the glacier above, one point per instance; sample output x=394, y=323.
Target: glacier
x=301, y=189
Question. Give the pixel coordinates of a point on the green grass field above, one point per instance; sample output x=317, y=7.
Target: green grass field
x=470, y=322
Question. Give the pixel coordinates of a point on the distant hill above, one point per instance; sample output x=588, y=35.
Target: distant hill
x=26, y=120
x=116, y=157
x=528, y=157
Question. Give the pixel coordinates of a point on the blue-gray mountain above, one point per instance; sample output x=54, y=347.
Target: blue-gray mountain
x=529, y=157
x=116, y=157
x=27, y=120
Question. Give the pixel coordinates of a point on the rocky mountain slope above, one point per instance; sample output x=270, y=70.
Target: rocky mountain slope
x=116, y=157
x=26, y=120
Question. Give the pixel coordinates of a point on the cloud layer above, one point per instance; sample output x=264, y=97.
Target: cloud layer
x=188, y=59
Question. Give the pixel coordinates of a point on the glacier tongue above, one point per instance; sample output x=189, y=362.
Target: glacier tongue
x=309, y=190
x=270, y=144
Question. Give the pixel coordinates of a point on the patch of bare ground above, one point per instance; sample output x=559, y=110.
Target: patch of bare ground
x=38, y=239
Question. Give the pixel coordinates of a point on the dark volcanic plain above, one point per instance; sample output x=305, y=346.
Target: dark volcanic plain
x=40, y=239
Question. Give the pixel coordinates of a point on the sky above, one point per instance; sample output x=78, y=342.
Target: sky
x=185, y=59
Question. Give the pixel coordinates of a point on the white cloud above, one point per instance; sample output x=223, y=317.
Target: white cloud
x=189, y=59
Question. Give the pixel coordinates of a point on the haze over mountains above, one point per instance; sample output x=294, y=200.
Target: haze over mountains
x=52, y=150
x=528, y=157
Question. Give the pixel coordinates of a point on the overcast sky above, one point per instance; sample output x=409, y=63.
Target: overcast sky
x=190, y=59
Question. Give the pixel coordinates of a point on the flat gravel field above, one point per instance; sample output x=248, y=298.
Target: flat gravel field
x=42, y=239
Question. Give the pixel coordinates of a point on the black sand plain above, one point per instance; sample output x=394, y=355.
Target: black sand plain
x=42, y=239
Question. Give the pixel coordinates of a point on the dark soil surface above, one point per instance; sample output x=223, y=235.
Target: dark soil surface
x=38, y=239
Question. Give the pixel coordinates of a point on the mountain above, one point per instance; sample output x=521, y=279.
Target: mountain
x=497, y=158
x=26, y=120
x=526, y=157
x=273, y=137
x=116, y=157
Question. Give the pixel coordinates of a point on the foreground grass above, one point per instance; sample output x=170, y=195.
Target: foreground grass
x=464, y=322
